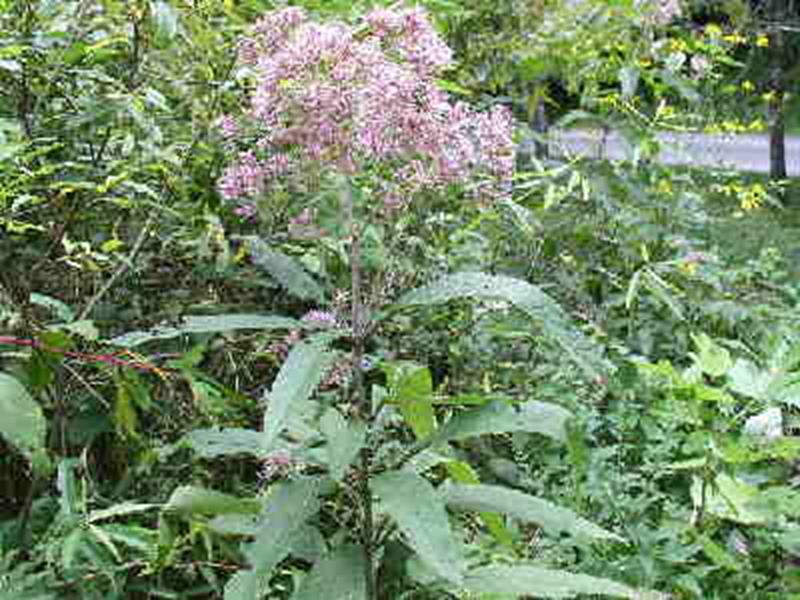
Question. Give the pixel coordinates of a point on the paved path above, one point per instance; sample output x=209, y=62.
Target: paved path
x=746, y=152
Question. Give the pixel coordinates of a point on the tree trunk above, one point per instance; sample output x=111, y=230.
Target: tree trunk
x=777, y=136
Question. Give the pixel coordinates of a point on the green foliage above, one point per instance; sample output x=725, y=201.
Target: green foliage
x=23, y=424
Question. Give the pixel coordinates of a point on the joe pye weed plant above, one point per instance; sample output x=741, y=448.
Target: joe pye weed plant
x=348, y=120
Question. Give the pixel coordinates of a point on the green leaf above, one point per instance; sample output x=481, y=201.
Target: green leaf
x=165, y=19
x=462, y=472
x=22, y=422
x=747, y=379
x=344, y=439
x=713, y=359
x=338, y=576
x=286, y=270
x=420, y=514
x=629, y=79
x=555, y=519
x=502, y=417
x=289, y=507
x=61, y=310
x=207, y=324
x=142, y=539
x=212, y=443
x=411, y=387
x=119, y=510
x=536, y=582
x=190, y=501
x=297, y=379
x=718, y=555
x=527, y=298
x=234, y=524
x=729, y=498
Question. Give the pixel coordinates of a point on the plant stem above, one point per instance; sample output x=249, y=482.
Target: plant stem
x=360, y=397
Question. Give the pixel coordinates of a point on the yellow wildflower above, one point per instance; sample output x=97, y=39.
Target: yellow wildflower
x=748, y=86
x=664, y=187
x=734, y=38
x=713, y=31
x=762, y=41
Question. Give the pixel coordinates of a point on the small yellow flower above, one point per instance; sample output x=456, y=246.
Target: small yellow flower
x=750, y=202
x=748, y=86
x=734, y=38
x=664, y=187
x=768, y=96
x=713, y=31
x=678, y=45
x=762, y=41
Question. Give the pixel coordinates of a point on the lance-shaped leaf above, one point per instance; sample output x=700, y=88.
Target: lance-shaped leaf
x=232, y=441
x=190, y=500
x=536, y=582
x=503, y=417
x=462, y=472
x=338, y=576
x=207, y=324
x=22, y=423
x=555, y=519
x=289, y=507
x=525, y=297
x=297, y=379
x=420, y=514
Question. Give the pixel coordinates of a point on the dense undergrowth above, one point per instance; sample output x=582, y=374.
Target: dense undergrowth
x=370, y=382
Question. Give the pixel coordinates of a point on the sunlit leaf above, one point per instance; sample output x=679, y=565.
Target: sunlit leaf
x=191, y=500
x=503, y=417
x=545, y=583
x=555, y=519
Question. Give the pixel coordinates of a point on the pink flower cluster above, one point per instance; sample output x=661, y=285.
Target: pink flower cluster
x=360, y=100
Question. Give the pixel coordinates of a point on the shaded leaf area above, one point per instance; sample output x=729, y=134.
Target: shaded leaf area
x=286, y=270
x=526, y=297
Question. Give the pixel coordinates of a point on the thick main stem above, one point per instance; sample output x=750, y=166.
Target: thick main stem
x=360, y=398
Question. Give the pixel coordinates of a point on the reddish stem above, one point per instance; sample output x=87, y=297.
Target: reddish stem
x=109, y=359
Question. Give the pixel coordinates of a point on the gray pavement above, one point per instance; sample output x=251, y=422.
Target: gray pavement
x=746, y=152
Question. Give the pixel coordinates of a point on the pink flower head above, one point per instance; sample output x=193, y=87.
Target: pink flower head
x=349, y=99
x=322, y=318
